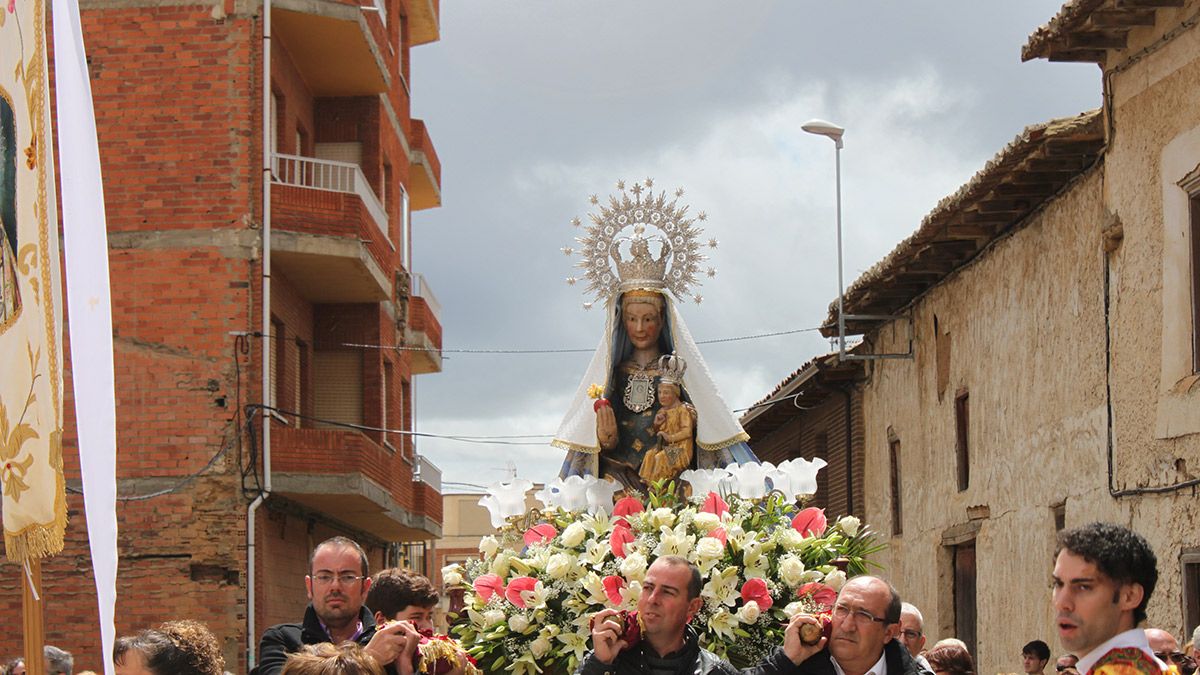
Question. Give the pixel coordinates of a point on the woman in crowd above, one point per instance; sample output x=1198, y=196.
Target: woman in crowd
x=174, y=648
x=950, y=659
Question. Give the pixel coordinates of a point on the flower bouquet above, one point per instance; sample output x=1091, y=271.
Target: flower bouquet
x=529, y=599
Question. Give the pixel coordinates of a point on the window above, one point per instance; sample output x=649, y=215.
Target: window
x=298, y=364
x=278, y=350
x=897, y=509
x=962, y=418
x=339, y=394
x=405, y=216
x=387, y=420
x=406, y=416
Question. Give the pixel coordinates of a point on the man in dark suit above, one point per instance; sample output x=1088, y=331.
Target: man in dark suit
x=862, y=641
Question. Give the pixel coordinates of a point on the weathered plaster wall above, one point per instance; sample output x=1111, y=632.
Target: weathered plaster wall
x=1156, y=400
x=1022, y=331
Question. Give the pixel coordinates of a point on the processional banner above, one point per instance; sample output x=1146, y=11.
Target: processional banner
x=31, y=420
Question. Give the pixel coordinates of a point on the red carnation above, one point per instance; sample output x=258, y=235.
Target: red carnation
x=627, y=506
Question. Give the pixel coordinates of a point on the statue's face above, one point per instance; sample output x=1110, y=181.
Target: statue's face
x=643, y=323
x=668, y=395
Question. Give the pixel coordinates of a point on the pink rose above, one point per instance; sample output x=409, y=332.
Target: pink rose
x=487, y=585
x=518, y=586
x=620, y=536
x=756, y=590
x=627, y=506
x=612, y=588
x=810, y=521
x=715, y=505
x=540, y=534
x=822, y=595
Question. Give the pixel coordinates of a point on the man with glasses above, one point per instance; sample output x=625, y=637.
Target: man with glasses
x=862, y=641
x=1166, y=648
x=1103, y=577
x=912, y=633
x=337, y=584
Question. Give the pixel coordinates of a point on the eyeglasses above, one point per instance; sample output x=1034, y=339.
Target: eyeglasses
x=1171, y=656
x=910, y=634
x=841, y=611
x=345, y=579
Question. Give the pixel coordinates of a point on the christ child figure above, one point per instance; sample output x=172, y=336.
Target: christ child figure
x=675, y=427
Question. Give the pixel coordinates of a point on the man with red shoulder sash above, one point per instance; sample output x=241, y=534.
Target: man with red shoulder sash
x=1104, y=575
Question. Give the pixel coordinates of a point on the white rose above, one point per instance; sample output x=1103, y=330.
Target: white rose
x=493, y=617
x=573, y=535
x=749, y=612
x=706, y=522
x=664, y=516
x=790, y=539
x=709, y=548
x=539, y=647
x=452, y=577
x=791, y=569
x=633, y=567
x=488, y=546
x=849, y=525
x=559, y=565
x=793, y=608
x=518, y=623
x=835, y=580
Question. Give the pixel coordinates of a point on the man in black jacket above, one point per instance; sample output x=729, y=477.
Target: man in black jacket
x=337, y=584
x=862, y=641
x=670, y=598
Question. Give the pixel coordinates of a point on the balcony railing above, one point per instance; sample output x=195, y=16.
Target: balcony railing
x=427, y=472
x=331, y=176
x=421, y=289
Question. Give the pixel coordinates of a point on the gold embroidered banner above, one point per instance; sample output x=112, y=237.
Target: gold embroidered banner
x=35, y=511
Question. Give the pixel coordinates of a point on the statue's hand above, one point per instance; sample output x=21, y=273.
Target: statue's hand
x=606, y=427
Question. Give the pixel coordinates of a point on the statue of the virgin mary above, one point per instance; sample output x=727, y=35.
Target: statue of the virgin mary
x=639, y=253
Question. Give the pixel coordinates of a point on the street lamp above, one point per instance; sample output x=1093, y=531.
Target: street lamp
x=831, y=130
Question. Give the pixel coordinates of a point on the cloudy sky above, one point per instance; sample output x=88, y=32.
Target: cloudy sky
x=535, y=104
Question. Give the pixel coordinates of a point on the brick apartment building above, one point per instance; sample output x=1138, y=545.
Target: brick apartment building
x=180, y=103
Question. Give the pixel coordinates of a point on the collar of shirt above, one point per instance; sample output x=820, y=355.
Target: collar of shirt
x=880, y=667
x=358, y=630
x=1135, y=637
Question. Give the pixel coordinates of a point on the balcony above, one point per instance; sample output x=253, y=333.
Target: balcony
x=425, y=171
x=423, y=332
x=332, y=46
x=349, y=477
x=424, y=21
x=329, y=231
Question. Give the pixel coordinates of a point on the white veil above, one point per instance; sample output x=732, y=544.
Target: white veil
x=716, y=427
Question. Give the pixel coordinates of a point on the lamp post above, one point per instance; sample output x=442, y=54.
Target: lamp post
x=833, y=131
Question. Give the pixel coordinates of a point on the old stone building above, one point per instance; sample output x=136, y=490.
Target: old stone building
x=215, y=525
x=1053, y=309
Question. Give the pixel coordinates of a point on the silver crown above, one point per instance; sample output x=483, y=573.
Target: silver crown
x=614, y=261
x=671, y=368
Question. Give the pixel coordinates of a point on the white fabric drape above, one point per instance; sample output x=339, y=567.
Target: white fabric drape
x=85, y=246
x=716, y=427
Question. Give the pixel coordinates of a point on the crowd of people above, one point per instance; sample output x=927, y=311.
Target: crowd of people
x=1103, y=578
